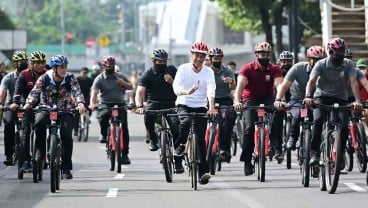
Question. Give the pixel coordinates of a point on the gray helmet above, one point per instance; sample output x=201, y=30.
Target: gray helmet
x=159, y=54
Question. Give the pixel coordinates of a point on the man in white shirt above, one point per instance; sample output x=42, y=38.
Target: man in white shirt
x=195, y=86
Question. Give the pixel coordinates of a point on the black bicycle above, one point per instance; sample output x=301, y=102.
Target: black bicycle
x=83, y=127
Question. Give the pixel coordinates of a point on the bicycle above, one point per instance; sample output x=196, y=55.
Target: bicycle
x=212, y=144
x=261, y=139
x=166, y=140
x=331, y=150
x=115, y=144
x=191, y=153
x=286, y=134
x=238, y=133
x=83, y=127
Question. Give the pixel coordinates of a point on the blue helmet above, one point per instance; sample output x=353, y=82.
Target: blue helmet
x=58, y=60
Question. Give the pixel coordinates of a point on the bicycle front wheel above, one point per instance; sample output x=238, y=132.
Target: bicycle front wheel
x=261, y=155
x=211, y=157
x=117, y=148
x=361, y=151
x=194, y=165
x=53, y=163
x=306, y=157
x=167, y=155
x=333, y=164
x=86, y=126
x=287, y=136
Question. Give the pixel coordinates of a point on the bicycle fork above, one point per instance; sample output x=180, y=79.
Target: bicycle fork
x=113, y=134
x=256, y=140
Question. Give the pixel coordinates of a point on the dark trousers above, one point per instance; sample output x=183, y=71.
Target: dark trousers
x=9, y=118
x=295, y=121
x=200, y=130
x=66, y=123
x=249, y=117
x=103, y=116
x=149, y=121
x=320, y=114
x=226, y=123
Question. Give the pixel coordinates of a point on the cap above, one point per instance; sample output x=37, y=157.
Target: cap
x=84, y=69
x=361, y=63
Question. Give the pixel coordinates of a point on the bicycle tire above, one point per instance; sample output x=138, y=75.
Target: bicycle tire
x=361, y=151
x=167, y=155
x=58, y=176
x=306, y=157
x=210, y=155
x=234, y=143
x=288, y=151
x=86, y=127
x=117, y=148
x=261, y=155
x=240, y=131
x=332, y=171
x=194, y=158
x=322, y=168
x=348, y=157
x=18, y=152
x=35, y=155
x=53, y=163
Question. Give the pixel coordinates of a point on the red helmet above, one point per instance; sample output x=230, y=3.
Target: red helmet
x=336, y=45
x=216, y=52
x=108, y=61
x=316, y=52
x=263, y=47
x=199, y=47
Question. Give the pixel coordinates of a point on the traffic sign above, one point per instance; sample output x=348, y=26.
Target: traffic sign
x=104, y=41
x=90, y=42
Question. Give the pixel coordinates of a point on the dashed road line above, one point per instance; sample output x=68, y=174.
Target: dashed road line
x=355, y=187
x=119, y=176
x=112, y=192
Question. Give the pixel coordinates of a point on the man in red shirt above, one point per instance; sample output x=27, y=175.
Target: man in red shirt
x=257, y=82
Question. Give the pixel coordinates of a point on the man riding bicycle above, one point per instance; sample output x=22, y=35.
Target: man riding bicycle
x=111, y=86
x=157, y=83
x=225, y=82
x=60, y=88
x=23, y=86
x=325, y=76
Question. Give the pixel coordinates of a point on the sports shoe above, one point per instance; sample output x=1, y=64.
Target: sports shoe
x=278, y=155
x=248, y=168
x=67, y=174
x=314, y=158
x=75, y=133
x=8, y=161
x=125, y=160
x=291, y=144
x=153, y=146
x=179, y=150
x=204, y=179
x=102, y=139
x=179, y=167
x=26, y=166
x=225, y=156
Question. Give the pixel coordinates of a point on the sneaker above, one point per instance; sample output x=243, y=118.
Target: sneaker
x=179, y=167
x=153, y=146
x=179, y=150
x=8, y=161
x=225, y=156
x=102, y=139
x=291, y=144
x=248, y=168
x=279, y=156
x=204, y=179
x=67, y=174
x=26, y=166
x=314, y=158
x=125, y=160
x=75, y=133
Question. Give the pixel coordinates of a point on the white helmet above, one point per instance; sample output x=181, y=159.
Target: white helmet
x=117, y=68
x=96, y=67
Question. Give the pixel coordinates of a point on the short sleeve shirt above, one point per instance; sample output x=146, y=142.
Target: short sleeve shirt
x=260, y=83
x=333, y=81
x=110, y=91
x=299, y=76
x=222, y=89
x=8, y=83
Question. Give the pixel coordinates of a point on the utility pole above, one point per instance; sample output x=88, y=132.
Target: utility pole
x=62, y=25
x=295, y=36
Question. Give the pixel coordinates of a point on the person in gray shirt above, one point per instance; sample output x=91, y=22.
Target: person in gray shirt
x=111, y=87
x=20, y=63
x=225, y=82
x=296, y=80
x=331, y=77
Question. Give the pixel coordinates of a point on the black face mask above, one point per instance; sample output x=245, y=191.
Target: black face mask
x=285, y=68
x=264, y=61
x=22, y=66
x=217, y=64
x=337, y=60
x=110, y=71
x=160, y=67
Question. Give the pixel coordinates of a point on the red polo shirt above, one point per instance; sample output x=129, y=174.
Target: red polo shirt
x=260, y=83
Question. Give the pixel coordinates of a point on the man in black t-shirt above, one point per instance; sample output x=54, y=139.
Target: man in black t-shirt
x=156, y=83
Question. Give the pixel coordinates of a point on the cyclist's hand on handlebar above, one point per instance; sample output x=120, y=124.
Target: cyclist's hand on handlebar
x=212, y=111
x=81, y=108
x=238, y=106
x=357, y=105
x=308, y=101
x=139, y=110
x=279, y=105
x=92, y=106
x=13, y=107
x=27, y=106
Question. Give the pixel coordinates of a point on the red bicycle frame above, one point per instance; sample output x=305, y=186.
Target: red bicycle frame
x=261, y=113
x=115, y=115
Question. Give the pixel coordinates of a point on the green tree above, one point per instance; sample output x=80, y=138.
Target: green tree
x=6, y=24
x=259, y=16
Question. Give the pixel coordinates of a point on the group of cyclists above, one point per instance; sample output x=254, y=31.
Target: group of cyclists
x=193, y=87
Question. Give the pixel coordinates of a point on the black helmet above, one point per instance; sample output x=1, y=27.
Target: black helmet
x=159, y=54
x=216, y=52
x=348, y=53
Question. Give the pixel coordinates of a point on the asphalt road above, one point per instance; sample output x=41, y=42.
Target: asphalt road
x=142, y=184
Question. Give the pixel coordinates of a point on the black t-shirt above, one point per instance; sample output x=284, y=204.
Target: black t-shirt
x=85, y=85
x=159, y=93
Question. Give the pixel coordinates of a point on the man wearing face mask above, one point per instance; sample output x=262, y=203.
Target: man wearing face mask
x=286, y=62
x=20, y=63
x=256, y=85
x=331, y=76
x=156, y=83
x=296, y=80
x=110, y=84
x=225, y=82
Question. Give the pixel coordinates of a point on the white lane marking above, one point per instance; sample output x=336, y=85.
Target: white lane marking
x=119, y=176
x=112, y=192
x=102, y=147
x=355, y=187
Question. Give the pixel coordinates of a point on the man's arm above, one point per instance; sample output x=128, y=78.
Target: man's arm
x=282, y=88
x=242, y=82
x=355, y=88
x=139, y=95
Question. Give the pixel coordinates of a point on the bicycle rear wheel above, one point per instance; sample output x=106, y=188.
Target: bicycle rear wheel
x=167, y=155
x=333, y=150
x=306, y=157
x=361, y=151
x=261, y=155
